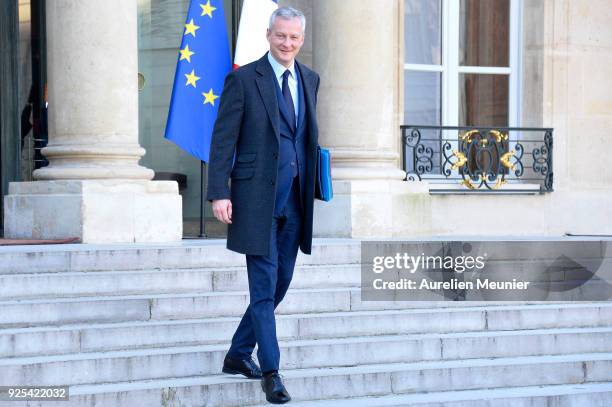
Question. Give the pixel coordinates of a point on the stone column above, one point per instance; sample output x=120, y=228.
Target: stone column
x=356, y=50
x=93, y=93
x=93, y=187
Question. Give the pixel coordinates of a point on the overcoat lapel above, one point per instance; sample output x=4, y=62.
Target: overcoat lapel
x=309, y=85
x=302, y=101
x=267, y=93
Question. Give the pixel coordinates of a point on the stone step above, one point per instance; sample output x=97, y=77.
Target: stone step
x=470, y=321
x=153, y=363
x=355, y=381
x=144, y=307
x=207, y=253
x=125, y=282
x=162, y=306
x=563, y=395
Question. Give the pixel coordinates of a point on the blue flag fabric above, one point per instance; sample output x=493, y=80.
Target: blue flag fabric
x=203, y=62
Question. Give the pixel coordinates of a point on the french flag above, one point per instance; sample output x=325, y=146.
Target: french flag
x=251, y=43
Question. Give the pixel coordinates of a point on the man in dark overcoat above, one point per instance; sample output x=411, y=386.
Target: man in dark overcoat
x=265, y=141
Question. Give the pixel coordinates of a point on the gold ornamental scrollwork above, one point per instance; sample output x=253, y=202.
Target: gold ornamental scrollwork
x=499, y=141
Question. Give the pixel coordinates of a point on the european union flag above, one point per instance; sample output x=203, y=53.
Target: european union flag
x=203, y=62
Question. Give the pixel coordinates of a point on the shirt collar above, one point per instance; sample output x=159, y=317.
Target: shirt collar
x=280, y=69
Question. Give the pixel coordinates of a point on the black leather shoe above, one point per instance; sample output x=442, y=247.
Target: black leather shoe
x=274, y=388
x=246, y=367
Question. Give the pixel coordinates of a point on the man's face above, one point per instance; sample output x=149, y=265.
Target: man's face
x=286, y=39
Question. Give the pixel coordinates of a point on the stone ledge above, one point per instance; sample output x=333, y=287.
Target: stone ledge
x=95, y=211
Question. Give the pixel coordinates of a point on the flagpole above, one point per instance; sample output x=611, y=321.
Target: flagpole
x=202, y=223
x=235, y=20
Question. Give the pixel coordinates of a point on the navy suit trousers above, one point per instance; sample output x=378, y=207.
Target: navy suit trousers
x=269, y=278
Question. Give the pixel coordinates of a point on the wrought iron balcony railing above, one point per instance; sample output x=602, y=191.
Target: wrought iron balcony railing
x=479, y=158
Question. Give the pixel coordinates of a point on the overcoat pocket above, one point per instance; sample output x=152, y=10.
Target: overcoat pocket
x=242, y=173
x=246, y=157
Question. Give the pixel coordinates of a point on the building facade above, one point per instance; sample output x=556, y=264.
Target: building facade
x=518, y=64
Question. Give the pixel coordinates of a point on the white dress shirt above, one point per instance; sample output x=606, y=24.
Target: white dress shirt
x=279, y=70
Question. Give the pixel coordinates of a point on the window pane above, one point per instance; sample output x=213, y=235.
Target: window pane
x=483, y=100
x=423, y=31
x=484, y=33
x=422, y=98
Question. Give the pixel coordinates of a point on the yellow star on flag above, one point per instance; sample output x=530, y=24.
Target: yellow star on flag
x=207, y=9
x=192, y=78
x=209, y=97
x=186, y=53
x=190, y=28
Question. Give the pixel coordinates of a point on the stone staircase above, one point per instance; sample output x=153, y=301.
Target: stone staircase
x=146, y=325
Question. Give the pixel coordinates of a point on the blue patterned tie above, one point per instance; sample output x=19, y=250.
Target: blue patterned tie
x=288, y=98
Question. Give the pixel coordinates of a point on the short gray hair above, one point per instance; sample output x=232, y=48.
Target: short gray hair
x=287, y=13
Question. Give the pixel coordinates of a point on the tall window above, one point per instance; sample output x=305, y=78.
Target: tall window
x=462, y=62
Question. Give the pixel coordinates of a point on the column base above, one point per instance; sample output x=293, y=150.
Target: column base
x=96, y=211
x=371, y=209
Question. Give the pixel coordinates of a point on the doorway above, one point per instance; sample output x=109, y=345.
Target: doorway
x=9, y=113
x=23, y=107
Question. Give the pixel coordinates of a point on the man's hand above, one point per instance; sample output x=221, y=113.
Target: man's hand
x=222, y=208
